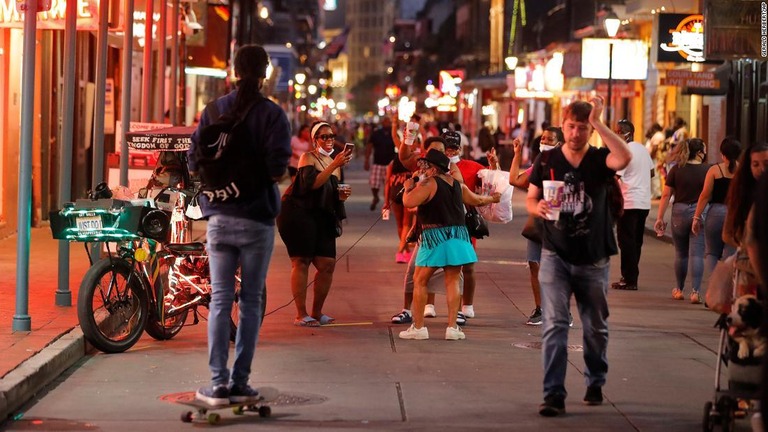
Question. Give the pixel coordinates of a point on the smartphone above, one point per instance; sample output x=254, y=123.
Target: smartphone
x=349, y=147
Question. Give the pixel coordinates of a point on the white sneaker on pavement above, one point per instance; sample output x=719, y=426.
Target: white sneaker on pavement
x=454, y=333
x=429, y=311
x=414, y=333
x=468, y=311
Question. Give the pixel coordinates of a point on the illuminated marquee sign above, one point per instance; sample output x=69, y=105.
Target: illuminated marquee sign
x=53, y=19
x=681, y=38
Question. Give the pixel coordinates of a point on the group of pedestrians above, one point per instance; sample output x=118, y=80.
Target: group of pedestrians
x=569, y=187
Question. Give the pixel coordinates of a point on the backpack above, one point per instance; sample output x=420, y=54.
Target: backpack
x=230, y=169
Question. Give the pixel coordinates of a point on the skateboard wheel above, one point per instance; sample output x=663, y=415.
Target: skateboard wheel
x=213, y=418
x=238, y=410
x=186, y=416
x=265, y=411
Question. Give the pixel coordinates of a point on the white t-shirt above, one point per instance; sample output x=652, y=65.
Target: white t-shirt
x=636, y=178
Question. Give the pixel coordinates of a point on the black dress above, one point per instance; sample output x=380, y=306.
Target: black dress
x=310, y=219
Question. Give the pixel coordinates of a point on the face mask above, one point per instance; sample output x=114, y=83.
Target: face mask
x=544, y=147
x=323, y=151
x=455, y=159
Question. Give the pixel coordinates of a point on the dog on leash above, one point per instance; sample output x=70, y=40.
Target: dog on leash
x=744, y=321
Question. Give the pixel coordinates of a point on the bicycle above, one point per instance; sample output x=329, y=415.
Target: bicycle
x=146, y=283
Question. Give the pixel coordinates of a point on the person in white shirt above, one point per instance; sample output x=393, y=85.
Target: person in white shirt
x=654, y=145
x=636, y=190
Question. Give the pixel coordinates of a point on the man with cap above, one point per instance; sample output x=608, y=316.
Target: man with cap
x=383, y=148
x=636, y=190
x=469, y=170
x=242, y=233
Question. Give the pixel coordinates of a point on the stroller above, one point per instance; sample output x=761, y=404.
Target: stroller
x=743, y=374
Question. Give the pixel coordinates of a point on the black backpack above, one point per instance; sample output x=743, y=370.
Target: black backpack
x=230, y=167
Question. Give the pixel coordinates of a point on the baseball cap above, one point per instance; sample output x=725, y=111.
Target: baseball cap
x=452, y=139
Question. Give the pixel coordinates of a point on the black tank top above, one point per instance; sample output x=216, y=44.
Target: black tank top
x=445, y=208
x=720, y=188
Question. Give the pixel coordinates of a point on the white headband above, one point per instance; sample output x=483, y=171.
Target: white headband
x=317, y=127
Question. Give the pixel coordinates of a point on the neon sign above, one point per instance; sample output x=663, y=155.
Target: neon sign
x=687, y=38
x=53, y=19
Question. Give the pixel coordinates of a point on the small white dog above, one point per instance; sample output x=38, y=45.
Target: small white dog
x=744, y=321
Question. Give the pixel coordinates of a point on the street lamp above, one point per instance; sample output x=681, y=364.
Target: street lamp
x=611, y=24
x=511, y=62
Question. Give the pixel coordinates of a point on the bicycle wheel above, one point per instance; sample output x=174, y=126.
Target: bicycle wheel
x=234, y=316
x=112, y=312
x=161, y=325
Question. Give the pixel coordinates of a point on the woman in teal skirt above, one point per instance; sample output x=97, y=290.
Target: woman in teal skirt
x=444, y=239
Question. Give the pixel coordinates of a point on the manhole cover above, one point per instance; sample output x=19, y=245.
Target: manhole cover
x=537, y=345
x=283, y=400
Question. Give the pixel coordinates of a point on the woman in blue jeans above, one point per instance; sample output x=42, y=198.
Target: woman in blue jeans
x=716, y=185
x=685, y=181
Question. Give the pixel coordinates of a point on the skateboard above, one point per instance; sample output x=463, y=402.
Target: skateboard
x=202, y=414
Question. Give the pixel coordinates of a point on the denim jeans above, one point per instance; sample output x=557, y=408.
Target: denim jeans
x=716, y=248
x=233, y=242
x=689, y=248
x=589, y=286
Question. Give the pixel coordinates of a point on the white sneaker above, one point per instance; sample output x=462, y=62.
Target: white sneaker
x=429, y=311
x=468, y=311
x=414, y=333
x=454, y=333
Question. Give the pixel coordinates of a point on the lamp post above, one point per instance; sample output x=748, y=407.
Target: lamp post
x=611, y=24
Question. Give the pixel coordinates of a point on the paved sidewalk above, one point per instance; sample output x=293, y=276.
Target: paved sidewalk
x=661, y=352
x=49, y=322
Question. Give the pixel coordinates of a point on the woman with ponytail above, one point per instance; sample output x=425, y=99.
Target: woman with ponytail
x=716, y=185
x=685, y=181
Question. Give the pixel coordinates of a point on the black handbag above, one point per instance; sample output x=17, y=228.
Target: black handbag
x=531, y=230
x=476, y=225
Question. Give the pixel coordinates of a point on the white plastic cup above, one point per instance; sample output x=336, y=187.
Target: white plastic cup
x=553, y=194
x=385, y=214
x=411, y=129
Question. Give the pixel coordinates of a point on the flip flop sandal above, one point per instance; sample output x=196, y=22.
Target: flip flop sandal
x=461, y=319
x=307, y=321
x=325, y=320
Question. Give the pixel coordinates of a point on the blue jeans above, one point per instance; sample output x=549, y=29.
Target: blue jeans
x=689, y=248
x=589, y=286
x=716, y=248
x=233, y=242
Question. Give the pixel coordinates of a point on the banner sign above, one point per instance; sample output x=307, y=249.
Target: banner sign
x=686, y=78
x=736, y=29
x=53, y=18
x=630, y=59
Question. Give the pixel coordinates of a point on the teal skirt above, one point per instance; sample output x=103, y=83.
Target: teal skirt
x=445, y=246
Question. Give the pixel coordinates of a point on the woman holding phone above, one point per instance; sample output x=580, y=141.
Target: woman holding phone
x=310, y=221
